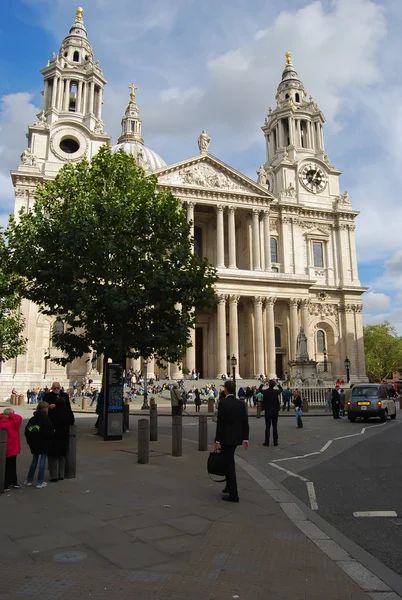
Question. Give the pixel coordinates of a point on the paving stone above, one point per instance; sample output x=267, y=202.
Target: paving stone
x=45, y=589
x=133, y=555
x=293, y=511
x=363, y=577
x=177, y=544
x=78, y=523
x=133, y=522
x=191, y=524
x=48, y=541
x=379, y=596
x=99, y=537
x=332, y=549
x=311, y=530
x=158, y=532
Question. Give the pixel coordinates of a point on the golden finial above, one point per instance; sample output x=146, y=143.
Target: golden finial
x=132, y=87
x=288, y=59
x=78, y=16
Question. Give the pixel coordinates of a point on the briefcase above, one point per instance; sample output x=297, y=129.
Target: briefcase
x=217, y=465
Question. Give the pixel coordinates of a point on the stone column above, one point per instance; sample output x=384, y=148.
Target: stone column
x=79, y=97
x=305, y=320
x=267, y=240
x=91, y=97
x=258, y=337
x=151, y=368
x=269, y=305
x=361, y=363
x=66, y=100
x=84, y=98
x=190, y=218
x=232, y=238
x=220, y=237
x=294, y=327
x=234, y=330
x=256, y=240
x=54, y=91
x=99, y=107
x=60, y=93
x=221, y=336
x=175, y=371
x=190, y=352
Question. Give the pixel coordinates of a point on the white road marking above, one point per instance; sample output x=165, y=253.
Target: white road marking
x=327, y=445
x=295, y=457
x=311, y=495
x=288, y=472
x=375, y=513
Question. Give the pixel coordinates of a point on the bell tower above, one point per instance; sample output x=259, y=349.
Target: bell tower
x=294, y=141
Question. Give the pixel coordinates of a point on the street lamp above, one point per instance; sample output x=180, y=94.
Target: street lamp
x=145, y=405
x=346, y=362
x=324, y=351
x=233, y=364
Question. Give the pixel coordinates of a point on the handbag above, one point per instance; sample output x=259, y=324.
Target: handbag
x=216, y=465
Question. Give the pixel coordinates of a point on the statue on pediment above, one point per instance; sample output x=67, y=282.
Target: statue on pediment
x=28, y=158
x=262, y=176
x=203, y=142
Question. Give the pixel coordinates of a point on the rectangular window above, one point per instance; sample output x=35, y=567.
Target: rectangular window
x=318, y=254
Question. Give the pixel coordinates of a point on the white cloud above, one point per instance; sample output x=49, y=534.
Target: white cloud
x=373, y=302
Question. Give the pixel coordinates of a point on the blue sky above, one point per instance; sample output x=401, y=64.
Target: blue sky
x=216, y=66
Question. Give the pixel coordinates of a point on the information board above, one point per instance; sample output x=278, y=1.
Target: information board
x=114, y=401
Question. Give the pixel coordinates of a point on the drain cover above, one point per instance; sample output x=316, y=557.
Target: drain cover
x=68, y=557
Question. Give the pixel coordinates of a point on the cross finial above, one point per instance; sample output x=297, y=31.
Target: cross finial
x=78, y=16
x=288, y=58
x=132, y=87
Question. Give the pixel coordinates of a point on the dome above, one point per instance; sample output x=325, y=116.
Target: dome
x=146, y=158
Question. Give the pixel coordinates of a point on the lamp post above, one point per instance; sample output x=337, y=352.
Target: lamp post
x=346, y=362
x=233, y=363
x=145, y=405
x=324, y=351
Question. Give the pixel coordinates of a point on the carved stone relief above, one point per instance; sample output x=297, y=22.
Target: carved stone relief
x=202, y=175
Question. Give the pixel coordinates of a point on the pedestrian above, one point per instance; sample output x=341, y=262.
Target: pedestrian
x=335, y=402
x=241, y=394
x=54, y=393
x=259, y=395
x=197, y=400
x=61, y=417
x=39, y=433
x=271, y=406
x=328, y=400
x=232, y=430
x=298, y=404
x=342, y=401
x=11, y=422
x=286, y=397
x=175, y=399
x=249, y=396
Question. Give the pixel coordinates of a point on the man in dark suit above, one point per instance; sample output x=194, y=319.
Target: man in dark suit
x=231, y=431
x=336, y=400
x=271, y=406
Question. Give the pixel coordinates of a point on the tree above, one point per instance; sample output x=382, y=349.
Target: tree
x=11, y=323
x=111, y=255
x=383, y=350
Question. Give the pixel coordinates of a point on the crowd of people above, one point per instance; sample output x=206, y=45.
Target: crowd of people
x=47, y=435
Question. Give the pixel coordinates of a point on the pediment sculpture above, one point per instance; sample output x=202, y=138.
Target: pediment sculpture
x=202, y=175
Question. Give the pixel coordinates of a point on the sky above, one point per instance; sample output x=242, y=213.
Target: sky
x=216, y=65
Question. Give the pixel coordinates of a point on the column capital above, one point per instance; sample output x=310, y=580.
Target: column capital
x=232, y=209
x=219, y=208
x=305, y=303
x=270, y=300
x=258, y=299
x=221, y=298
x=256, y=211
x=191, y=204
x=234, y=299
x=266, y=213
x=293, y=302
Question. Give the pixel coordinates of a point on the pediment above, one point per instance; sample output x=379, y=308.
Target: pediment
x=318, y=232
x=207, y=172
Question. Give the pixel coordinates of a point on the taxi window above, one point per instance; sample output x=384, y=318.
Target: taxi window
x=366, y=392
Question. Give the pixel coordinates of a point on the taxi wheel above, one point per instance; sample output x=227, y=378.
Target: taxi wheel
x=393, y=416
x=352, y=419
x=384, y=416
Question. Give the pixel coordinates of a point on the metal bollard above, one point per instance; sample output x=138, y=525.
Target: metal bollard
x=3, y=452
x=177, y=436
x=126, y=416
x=143, y=441
x=71, y=456
x=202, y=433
x=84, y=403
x=153, y=425
x=258, y=410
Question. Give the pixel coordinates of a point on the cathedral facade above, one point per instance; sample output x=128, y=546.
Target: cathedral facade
x=283, y=245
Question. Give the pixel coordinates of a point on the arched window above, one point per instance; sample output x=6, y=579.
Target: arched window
x=320, y=341
x=274, y=250
x=297, y=97
x=277, y=337
x=286, y=96
x=76, y=56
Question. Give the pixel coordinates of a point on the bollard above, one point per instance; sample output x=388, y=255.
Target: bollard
x=211, y=405
x=259, y=410
x=153, y=425
x=84, y=403
x=3, y=453
x=305, y=405
x=202, y=433
x=177, y=436
x=13, y=399
x=21, y=400
x=143, y=441
x=71, y=456
x=126, y=416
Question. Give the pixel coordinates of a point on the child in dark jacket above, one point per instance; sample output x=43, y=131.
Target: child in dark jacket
x=39, y=433
x=11, y=423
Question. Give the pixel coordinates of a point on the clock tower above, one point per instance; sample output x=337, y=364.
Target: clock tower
x=296, y=164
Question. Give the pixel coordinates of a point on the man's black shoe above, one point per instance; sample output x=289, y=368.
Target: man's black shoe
x=230, y=498
x=275, y=443
x=265, y=444
x=54, y=480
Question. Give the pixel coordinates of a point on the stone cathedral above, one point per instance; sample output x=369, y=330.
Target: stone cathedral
x=284, y=245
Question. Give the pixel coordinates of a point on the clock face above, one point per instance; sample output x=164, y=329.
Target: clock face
x=313, y=178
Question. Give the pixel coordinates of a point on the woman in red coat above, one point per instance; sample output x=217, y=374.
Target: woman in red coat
x=11, y=423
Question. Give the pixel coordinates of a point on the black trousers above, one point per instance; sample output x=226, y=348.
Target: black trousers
x=335, y=410
x=231, y=480
x=11, y=472
x=286, y=402
x=271, y=419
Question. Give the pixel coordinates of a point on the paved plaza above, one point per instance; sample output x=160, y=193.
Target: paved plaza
x=160, y=531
